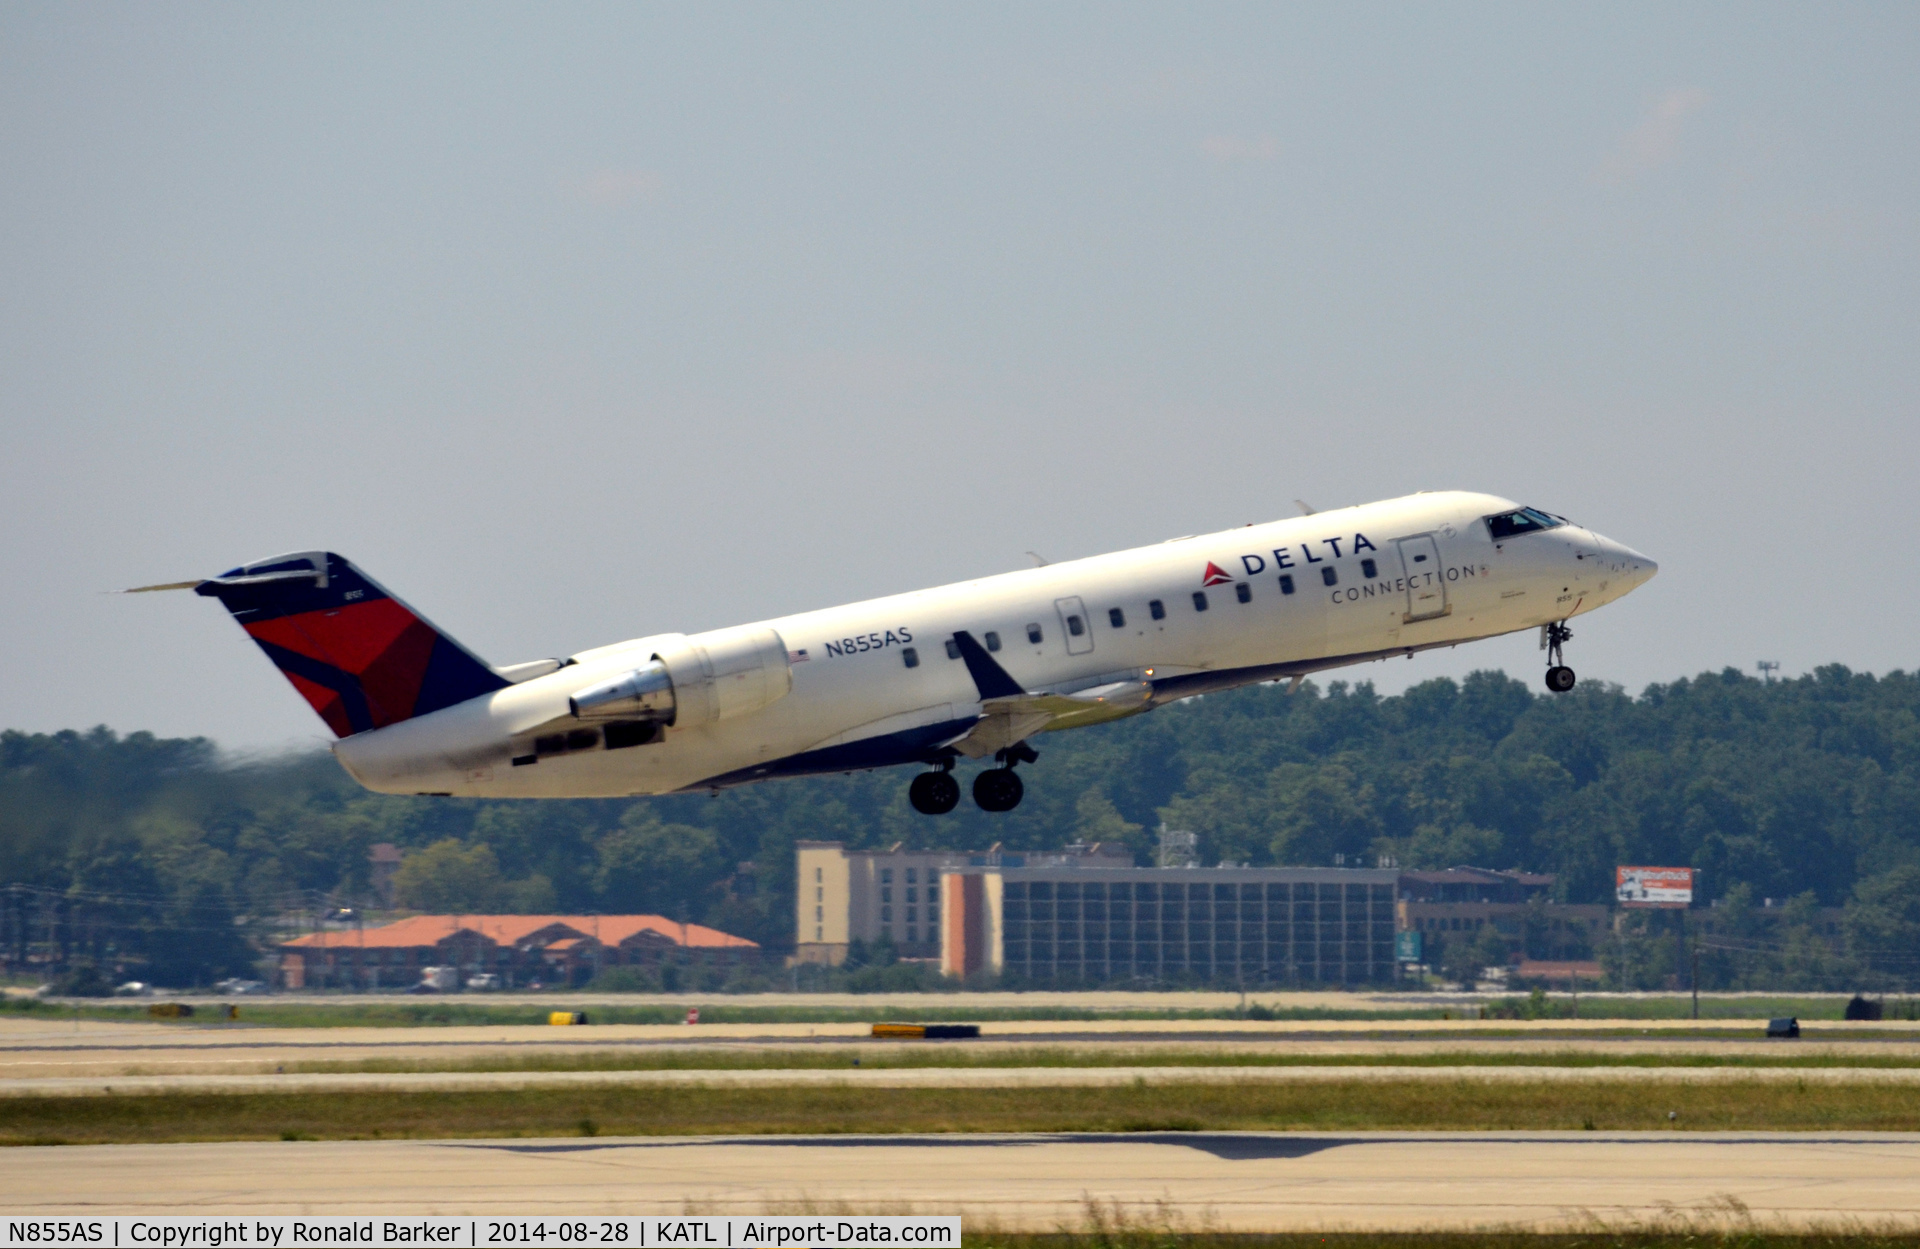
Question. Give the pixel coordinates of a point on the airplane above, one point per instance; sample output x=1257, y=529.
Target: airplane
x=975, y=669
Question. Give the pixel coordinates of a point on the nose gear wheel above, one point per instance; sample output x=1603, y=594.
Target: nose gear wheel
x=1559, y=677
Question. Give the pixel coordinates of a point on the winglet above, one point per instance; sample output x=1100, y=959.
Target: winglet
x=991, y=679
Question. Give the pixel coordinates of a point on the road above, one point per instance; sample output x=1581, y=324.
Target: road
x=1227, y=1181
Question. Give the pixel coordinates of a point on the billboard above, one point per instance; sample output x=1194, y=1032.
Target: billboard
x=1406, y=946
x=1653, y=886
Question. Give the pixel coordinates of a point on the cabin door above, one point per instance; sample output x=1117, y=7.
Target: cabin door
x=1426, y=580
x=1075, y=625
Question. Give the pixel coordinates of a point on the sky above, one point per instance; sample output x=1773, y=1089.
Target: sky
x=572, y=323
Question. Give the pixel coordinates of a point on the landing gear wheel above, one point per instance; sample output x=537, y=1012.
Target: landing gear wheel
x=1552, y=638
x=934, y=793
x=998, y=789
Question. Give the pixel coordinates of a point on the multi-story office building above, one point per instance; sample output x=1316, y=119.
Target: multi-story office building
x=1085, y=914
x=862, y=895
x=1241, y=925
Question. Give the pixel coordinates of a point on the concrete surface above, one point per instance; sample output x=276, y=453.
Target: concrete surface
x=1228, y=1181
x=33, y=1048
x=924, y=1077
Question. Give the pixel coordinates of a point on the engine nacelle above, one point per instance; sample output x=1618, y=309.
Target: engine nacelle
x=646, y=693
x=693, y=681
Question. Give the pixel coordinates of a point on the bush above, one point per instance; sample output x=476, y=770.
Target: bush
x=83, y=979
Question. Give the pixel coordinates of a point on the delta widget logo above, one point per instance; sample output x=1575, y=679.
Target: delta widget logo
x=1213, y=575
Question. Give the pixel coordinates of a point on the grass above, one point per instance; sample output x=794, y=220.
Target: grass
x=1675, y=1235
x=1411, y=1104
x=1722, y=1222
x=818, y=1058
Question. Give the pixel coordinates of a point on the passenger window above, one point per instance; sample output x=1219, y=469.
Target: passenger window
x=1199, y=600
x=993, y=641
x=1033, y=634
x=1369, y=569
x=1286, y=583
x=1076, y=626
x=1157, y=610
x=1330, y=575
x=1116, y=618
x=1243, y=592
x=910, y=657
x=953, y=649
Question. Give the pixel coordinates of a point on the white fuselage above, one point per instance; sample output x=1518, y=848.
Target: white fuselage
x=852, y=701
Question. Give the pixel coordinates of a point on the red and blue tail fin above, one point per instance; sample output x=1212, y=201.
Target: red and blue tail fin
x=363, y=658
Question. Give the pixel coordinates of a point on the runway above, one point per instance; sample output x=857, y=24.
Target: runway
x=930, y=1077
x=1224, y=1181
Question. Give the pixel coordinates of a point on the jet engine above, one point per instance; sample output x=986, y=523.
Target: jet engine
x=694, y=681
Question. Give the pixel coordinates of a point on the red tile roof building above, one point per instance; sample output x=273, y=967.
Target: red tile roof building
x=518, y=949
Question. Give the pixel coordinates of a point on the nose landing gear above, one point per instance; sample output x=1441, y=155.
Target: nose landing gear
x=1000, y=789
x=1552, y=638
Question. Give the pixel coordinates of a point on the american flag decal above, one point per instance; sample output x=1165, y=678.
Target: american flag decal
x=797, y=657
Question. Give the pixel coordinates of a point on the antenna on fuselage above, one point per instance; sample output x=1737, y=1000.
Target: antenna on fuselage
x=1306, y=508
x=1039, y=560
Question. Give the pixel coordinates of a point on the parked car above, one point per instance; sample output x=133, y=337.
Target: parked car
x=133, y=988
x=237, y=986
x=485, y=980
x=443, y=979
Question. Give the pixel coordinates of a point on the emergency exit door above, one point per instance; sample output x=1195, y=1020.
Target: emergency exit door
x=1076, y=626
x=1426, y=579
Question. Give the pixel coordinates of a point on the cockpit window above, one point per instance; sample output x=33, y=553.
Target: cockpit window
x=1526, y=520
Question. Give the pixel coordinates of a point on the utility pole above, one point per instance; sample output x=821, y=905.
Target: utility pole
x=1696, y=978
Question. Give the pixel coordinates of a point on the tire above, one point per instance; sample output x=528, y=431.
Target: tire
x=998, y=789
x=1560, y=680
x=934, y=793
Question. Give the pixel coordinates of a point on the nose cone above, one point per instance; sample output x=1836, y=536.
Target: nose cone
x=1627, y=568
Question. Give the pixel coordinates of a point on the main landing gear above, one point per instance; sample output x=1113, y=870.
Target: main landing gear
x=996, y=789
x=1559, y=676
x=935, y=793
x=999, y=789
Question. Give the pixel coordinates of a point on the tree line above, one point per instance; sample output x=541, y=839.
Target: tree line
x=1804, y=791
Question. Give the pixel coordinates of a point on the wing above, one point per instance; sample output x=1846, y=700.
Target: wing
x=1010, y=714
